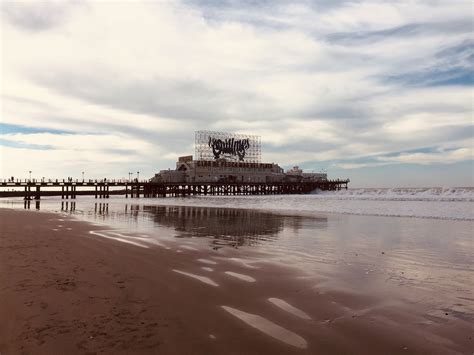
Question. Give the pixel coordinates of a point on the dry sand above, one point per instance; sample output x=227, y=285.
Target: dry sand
x=66, y=291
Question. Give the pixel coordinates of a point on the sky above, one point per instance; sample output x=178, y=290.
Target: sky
x=380, y=92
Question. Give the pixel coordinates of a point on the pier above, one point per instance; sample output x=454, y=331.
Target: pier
x=32, y=189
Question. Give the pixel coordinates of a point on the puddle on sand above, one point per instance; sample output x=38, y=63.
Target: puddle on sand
x=151, y=241
x=207, y=268
x=240, y=276
x=244, y=262
x=103, y=235
x=187, y=247
x=204, y=279
x=268, y=327
x=289, y=308
x=207, y=261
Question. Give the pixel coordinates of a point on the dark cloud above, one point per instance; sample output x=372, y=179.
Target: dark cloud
x=300, y=145
x=270, y=14
x=449, y=66
x=36, y=16
x=181, y=98
x=404, y=31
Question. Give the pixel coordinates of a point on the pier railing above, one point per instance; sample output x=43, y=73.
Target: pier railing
x=33, y=189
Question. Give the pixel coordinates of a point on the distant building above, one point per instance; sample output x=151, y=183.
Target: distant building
x=225, y=157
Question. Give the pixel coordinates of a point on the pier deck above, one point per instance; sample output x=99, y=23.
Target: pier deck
x=103, y=189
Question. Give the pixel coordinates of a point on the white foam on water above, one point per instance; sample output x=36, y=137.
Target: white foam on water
x=212, y=336
x=204, y=279
x=127, y=241
x=207, y=268
x=54, y=229
x=207, y=261
x=289, y=308
x=69, y=229
x=179, y=251
x=240, y=276
x=453, y=203
x=269, y=328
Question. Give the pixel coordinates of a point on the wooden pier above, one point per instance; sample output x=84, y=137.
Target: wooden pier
x=135, y=189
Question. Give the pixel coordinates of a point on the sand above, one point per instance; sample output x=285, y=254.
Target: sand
x=64, y=290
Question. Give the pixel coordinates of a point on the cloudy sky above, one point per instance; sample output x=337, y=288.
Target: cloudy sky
x=377, y=91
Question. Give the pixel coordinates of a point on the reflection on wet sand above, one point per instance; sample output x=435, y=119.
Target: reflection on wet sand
x=242, y=277
x=268, y=327
x=227, y=227
x=289, y=308
x=203, y=279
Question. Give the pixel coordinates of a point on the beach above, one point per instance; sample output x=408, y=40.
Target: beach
x=75, y=286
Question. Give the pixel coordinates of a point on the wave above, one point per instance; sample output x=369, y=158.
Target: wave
x=403, y=194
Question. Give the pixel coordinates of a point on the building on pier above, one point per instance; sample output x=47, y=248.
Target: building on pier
x=226, y=157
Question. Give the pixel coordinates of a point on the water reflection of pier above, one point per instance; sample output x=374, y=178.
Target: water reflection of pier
x=226, y=226
x=65, y=206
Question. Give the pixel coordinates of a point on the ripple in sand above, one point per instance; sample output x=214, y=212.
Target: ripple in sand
x=268, y=327
x=289, y=308
x=241, y=276
x=207, y=261
x=123, y=240
x=204, y=279
x=207, y=268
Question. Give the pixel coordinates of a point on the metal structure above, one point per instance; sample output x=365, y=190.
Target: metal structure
x=34, y=190
x=232, y=147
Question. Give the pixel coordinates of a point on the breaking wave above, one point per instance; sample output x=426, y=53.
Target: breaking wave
x=403, y=194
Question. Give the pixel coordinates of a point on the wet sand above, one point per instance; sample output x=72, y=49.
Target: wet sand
x=66, y=290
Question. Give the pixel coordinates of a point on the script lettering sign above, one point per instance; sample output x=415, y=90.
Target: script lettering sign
x=230, y=146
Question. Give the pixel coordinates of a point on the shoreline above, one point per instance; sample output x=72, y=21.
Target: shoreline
x=280, y=211
x=65, y=290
